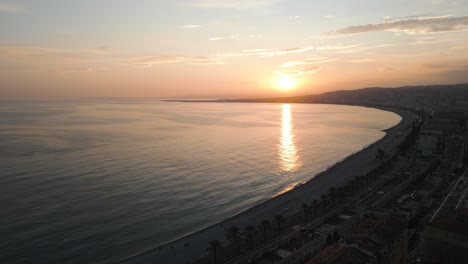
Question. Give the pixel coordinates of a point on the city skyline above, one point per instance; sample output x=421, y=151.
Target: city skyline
x=212, y=49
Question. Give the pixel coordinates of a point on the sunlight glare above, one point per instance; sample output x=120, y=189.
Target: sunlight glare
x=285, y=82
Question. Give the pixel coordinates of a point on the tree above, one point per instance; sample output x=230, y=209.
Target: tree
x=323, y=201
x=213, y=248
x=278, y=220
x=315, y=204
x=249, y=230
x=232, y=235
x=332, y=196
x=264, y=225
x=305, y=208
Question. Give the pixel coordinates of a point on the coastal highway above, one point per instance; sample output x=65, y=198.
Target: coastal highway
x=357, y=201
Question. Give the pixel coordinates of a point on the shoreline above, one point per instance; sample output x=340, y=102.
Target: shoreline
x=190, y=247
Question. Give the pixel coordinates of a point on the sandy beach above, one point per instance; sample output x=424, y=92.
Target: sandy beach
x=193, y=246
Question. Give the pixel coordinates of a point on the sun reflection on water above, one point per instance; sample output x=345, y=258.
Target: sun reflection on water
x=288, y=154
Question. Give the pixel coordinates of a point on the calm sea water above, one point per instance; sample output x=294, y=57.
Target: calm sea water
x=93, y=181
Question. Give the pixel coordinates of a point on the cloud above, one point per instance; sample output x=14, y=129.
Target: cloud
x=425, y=40
x=270, y=52
x=298, y=72
x=253, y=36
x=295, y=17
x=149, y=61
x=310, y=70
x=412, y=26
x=307, y=61
x=11, y=8
x=460, y=47
x=215, y=39
x=191, y=26
x=364, y=60
x=49, y=55
x=83, y=70
x=233, y=4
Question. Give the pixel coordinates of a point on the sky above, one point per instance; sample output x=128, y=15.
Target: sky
x=64, y=49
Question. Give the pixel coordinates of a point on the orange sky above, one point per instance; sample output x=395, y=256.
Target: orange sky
x=213, y=49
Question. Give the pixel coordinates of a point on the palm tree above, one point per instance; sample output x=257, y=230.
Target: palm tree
x=315, y=203
x=354, y=186
x=323, y=201
x=264, y=225
x=305, y=208
x=249, y=230
x=332, y=195
x=232, y=235
x=278, y=220
x=213, y=248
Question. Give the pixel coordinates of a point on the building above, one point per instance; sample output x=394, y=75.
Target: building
x=343, y=254
x=389, y=232
x=430, y=142
x=446, y=238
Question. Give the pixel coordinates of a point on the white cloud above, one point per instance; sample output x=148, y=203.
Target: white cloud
x=414, y=25
x=307, y=61
x=460, y=47
x=270, y=52
x=191, y=26
x=215, y=39
x=149, y=61
x=298, y=72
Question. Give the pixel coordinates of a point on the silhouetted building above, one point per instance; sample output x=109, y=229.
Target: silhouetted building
x=343, y=254
x=389, y=232
x=446, y=238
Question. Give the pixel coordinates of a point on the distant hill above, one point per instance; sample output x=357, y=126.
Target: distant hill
x=428, y=97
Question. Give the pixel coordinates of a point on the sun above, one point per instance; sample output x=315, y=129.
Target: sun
x=285, y=82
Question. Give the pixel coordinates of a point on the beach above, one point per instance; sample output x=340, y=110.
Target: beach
x=193, y=246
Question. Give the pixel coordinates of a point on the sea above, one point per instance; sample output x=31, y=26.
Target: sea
x=94, y=181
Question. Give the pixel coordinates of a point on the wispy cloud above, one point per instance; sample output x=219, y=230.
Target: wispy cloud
x=233, y=4
x=50, y=55
x=191, y=26
x=11, y=8
x=215, y=38
x=363, y=60
x=307, y=61
x=298, y=72
x=149, y=61
x=416, y=25
x=424, y=40
x=83, y=70
x=460, y=47
x=295, y=17
x=270, y=52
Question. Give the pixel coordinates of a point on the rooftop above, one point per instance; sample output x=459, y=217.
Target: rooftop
x=384, y=226
x=340, y=254
x=454, y=222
